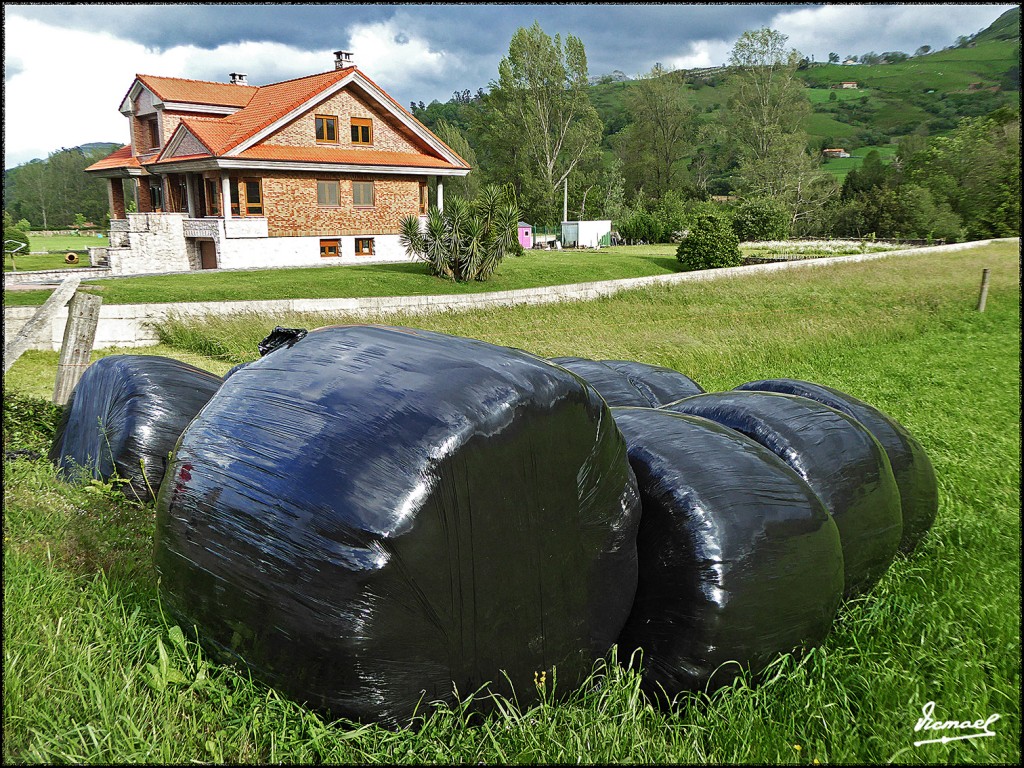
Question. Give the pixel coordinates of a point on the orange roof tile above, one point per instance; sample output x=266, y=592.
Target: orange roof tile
x=211, y=132
x=121, y=158
x=262, y=106
x=199, y=91
x=347, y=156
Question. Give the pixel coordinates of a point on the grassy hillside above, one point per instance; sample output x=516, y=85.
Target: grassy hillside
x=928, y=93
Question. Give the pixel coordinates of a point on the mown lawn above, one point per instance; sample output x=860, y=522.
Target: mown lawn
x=35, y=261
x=533, y=269
x=93, y=673
x=64, y=243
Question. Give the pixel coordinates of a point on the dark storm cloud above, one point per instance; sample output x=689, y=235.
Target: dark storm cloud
x=474, y=37
x=473, y=31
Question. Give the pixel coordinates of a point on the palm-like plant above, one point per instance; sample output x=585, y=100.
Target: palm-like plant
x=469, y=240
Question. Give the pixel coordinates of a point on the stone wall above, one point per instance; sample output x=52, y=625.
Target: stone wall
x=156, y=243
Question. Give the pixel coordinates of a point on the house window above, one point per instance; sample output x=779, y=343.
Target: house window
x=330, y=248
x=212, y=198
x=156, y=196
x=362, y=130
x=364, y=246
x=253, y=203
x=362, y=194
x=152, y=130
x=327, y=193
x=253, y=197
x=423, y=198
x=326, y=129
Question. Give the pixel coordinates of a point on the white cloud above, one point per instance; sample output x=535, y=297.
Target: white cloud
x=63, y=86
x=390, y=55
x=856, y=29
x=702, y=53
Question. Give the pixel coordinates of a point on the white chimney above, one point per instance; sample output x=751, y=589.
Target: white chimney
x=343, y=59
x=238, y=78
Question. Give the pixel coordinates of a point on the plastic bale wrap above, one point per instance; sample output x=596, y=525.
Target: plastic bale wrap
x=738, y=558
x=658, y=384
x=373, y=516
x=124, y=417
x=915, y=476
x=613, y=386
x=840, y=460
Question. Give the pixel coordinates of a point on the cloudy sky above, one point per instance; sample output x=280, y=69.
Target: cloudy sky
x=67, y=67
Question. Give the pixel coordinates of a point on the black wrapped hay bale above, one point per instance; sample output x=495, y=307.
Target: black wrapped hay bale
x=372, y=515
x=837, y=456
x=738, y=558
x=659, y=384
x=915, y=476
x=125, y=414
x=613, y=386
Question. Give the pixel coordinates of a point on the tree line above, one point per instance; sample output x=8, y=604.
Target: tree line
x=56, y=192
x=536, y=127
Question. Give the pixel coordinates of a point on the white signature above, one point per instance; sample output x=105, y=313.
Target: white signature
x=926, y=723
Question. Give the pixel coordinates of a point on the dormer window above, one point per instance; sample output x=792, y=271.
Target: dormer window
x=326, y=129
x=362, y=130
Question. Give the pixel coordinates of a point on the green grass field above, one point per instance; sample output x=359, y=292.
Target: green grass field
x=93, y=672
x=534, y=269
x=48, y=252
x=36, y=261
x=64, y=243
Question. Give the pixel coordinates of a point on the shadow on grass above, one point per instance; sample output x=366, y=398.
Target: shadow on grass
x=668, y=263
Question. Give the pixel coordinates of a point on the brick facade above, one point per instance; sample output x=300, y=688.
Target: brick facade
x=387, y=134
x=115, y=197
x=290, y=204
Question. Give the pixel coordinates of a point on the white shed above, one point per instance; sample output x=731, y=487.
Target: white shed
x=586, y=234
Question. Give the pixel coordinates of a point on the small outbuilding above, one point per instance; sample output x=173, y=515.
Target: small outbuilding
x=525, y=235
x=586, y=234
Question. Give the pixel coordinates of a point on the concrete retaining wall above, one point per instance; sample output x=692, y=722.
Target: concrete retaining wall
x=128, y=325
x=53, y=275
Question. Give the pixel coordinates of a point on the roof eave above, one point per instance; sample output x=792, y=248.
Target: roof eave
x=232, y=163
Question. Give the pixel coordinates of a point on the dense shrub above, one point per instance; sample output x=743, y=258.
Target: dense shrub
x=639, y=224
x=711, y=243
x=760, y=219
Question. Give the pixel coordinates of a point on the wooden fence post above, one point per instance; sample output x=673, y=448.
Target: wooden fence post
x=983, y=296
x=79, y=335
x=43, y=315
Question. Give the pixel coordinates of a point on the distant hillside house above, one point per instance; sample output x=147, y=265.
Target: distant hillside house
x=234, y=175
x=848, y=84
x=837, y=152
x=849, y=62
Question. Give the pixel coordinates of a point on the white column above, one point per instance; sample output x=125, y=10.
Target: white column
x=440, y=194
x=225, y=196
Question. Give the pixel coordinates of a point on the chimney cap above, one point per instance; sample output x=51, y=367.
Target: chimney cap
x=343, y=59
x=238, y=78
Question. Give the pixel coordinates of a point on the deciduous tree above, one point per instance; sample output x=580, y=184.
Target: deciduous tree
x=542, y=124
x=654, y=145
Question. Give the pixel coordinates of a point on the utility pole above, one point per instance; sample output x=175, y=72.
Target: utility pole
x=565, y=201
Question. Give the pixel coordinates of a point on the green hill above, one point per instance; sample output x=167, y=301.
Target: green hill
x=926, y=94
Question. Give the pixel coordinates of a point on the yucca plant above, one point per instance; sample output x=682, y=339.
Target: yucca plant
x=469, y=239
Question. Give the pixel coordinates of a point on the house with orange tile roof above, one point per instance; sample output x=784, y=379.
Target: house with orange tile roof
x=231, y=175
